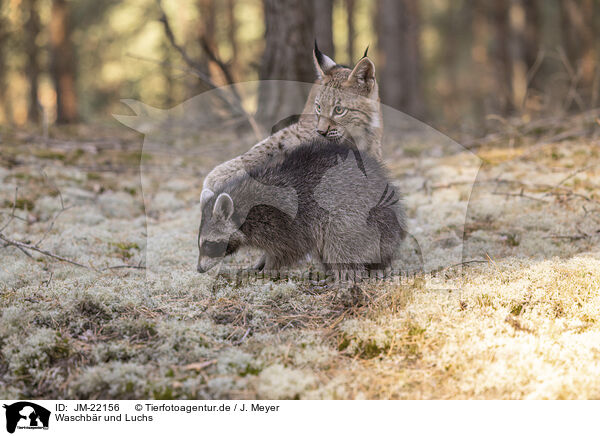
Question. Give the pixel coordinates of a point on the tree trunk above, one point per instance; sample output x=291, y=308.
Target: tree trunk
x=400, y=58
x=502, y=56
x=63, y=63
x=578, y=34
x=351, y=31
x=4, y=39
x=289, y=34
x=323, y=26
x=232, y=27
x=206, y=32
x=518, y=54
x=208, y=15
x=533, y=31
x=32, y=26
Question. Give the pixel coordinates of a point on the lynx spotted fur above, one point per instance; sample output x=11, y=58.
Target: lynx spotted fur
x=343, y=104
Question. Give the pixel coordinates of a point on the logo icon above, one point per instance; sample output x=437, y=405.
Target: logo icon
x=26, y=415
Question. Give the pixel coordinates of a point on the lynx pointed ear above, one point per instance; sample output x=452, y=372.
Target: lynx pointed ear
x=223, y=209
x=323, y=63
x=363, y=73
x=206, y=195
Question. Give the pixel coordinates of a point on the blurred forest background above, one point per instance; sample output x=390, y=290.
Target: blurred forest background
x=459, y=65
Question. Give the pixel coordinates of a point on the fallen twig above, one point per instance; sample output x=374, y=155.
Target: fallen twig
x=25, y=246
x=123, y=267
x=574, y=173
x=520, y=194
x=240, y=341
x=12, y=213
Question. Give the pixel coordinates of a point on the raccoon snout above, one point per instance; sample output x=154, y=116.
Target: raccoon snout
x=205, y=265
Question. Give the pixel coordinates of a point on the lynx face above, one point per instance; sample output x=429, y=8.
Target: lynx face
x=347, y=101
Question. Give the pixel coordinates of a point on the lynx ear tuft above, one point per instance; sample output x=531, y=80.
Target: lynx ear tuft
x=323, y=63
x=206, y=195
x=363, y=73
x=366, y=52
x=223, y=209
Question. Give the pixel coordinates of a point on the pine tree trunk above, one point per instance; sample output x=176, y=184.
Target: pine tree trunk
x=578, y=34
x=32, y=27
x=232, y=27
x=351, y=31
x=502, y=56
x=289, y=35
x=323, y=26
x=4, y=40
x=209, y=19
x=63, y=63
x=532, y=31
x=400, y=58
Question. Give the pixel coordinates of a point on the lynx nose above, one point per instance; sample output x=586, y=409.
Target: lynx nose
x=323, y=132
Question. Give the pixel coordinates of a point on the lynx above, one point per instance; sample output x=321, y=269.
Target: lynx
x=343, y=103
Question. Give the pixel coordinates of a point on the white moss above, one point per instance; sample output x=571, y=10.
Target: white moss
x=277, y=382
x=166, y=201
x=118, y=205
x=113, y=380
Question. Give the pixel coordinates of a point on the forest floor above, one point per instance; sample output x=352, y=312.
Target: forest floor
x=520, y=319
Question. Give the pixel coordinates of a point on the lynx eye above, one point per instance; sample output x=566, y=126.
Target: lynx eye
x=318, y=108
x=339, y=110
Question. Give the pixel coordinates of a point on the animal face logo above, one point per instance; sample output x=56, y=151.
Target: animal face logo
x=26, y=415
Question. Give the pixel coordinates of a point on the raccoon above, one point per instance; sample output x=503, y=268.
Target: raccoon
x=340, y=209
x=343, y=104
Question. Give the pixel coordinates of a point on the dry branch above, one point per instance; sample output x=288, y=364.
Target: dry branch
x=12, y=213
x=236, y=104
x=25, y=246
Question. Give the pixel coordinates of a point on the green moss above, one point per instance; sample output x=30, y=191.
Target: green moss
x=164, y=394
x=344, y=344
x=21, y=203
x=29, y=358
x=249, y=370
x=516, y=309
x=365, y=349
x=415, y=330
x=370, y=349
x=94, y=176
x=74, y=156
x=513, y=239
x=50, y=154
x=484, y=300
x=123, y=249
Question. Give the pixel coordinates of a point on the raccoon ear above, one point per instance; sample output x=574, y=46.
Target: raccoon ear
x=323, y=63
x=206, y=195
x=223, y=208
x=363, y=73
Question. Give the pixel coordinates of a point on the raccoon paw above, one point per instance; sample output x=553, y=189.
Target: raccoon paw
x=260, y=265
